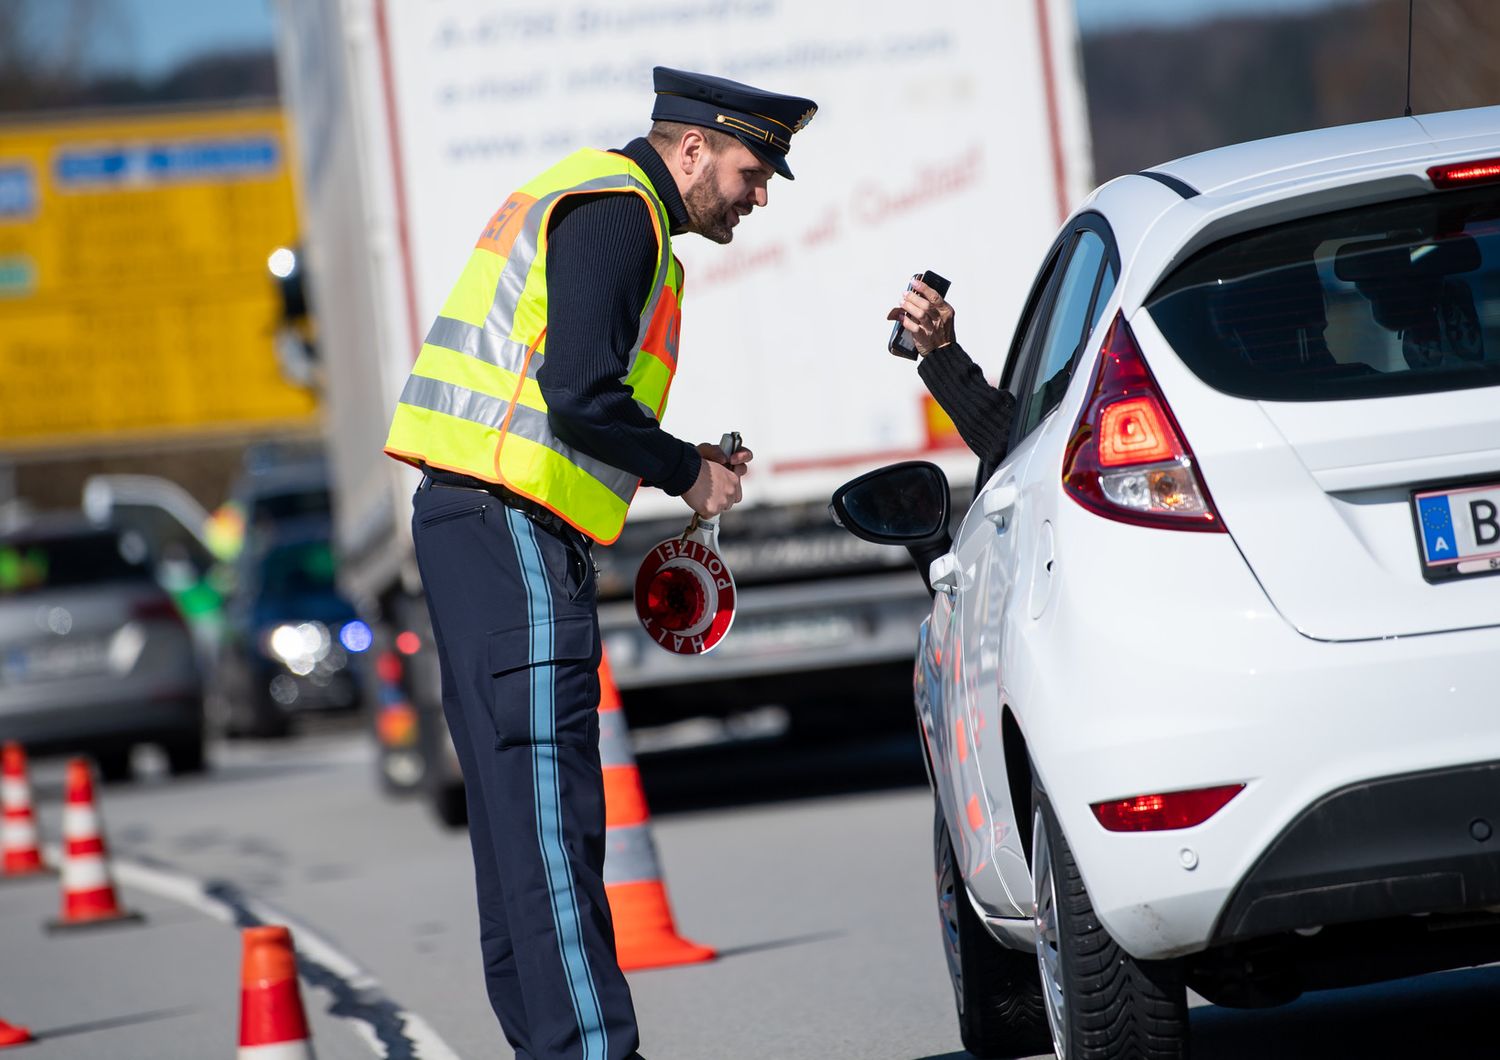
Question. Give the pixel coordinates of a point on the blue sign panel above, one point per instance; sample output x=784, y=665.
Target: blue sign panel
x=160, y=163
x=17, y=191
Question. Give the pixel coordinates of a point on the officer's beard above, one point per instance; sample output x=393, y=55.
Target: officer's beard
x=710, y=214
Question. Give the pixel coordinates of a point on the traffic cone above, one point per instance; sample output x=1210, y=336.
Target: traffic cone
x=645, y=935
x=88, y=892
x=19, y=853
x=273, y=1024
x=10, y=1034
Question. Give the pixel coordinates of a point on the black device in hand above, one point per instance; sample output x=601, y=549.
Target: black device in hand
x=901, y=343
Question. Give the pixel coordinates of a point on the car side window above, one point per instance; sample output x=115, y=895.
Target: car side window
x=1065, y=329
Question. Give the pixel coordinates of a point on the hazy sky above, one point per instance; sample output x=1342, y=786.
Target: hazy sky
x=162, y=32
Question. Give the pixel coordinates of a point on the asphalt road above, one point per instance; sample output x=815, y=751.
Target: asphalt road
x=807, y=867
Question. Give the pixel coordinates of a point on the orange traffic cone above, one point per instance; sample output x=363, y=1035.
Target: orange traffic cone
x=10, y=1034
x=273, y=1024
x=88, y=892
x=19, y=853
x=645, y=935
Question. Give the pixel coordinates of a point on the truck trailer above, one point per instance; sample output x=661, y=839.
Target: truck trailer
x=956, y=147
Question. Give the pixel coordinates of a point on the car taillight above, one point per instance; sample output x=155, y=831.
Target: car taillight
x=1166, y=811
x=156, y=609
x=1465, y=174
x=1127, y=459
x=388, y=667
x=408, y=643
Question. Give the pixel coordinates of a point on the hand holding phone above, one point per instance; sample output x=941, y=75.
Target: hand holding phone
x=901, y=343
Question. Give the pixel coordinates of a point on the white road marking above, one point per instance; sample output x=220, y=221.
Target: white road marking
x=179, y=887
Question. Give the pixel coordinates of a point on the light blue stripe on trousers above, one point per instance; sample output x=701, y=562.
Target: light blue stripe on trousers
x=548, y=792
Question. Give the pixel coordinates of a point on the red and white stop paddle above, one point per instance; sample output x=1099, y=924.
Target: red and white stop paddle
x=684, y=592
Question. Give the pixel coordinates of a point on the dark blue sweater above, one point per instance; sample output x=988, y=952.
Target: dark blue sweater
x=601, y=259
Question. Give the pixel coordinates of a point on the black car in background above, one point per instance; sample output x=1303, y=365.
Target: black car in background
x=292, y=644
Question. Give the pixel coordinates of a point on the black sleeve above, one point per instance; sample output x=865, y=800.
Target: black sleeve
x=982, y=413
x=601, y=260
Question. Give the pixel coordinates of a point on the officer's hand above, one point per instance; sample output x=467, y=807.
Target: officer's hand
x=926, y=316
x=736, y=461
x=717, y=488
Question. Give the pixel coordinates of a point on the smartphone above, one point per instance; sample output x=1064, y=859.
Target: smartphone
x=901, y=343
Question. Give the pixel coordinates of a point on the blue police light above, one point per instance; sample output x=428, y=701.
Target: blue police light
x=356, y=636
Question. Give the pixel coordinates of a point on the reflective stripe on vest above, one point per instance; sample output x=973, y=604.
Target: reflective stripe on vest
x=472, y=403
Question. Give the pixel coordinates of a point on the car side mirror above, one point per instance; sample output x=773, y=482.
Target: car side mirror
x=901, y=504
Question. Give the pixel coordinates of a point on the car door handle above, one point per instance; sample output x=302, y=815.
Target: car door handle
x=998, y=502
x=943, y=573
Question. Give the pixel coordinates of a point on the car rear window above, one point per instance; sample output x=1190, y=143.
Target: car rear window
x=298, y=570
x=275, y=507
x=63, y=562
x=1396, y=298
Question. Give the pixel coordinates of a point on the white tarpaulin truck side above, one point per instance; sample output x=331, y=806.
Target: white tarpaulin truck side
x=956, y=146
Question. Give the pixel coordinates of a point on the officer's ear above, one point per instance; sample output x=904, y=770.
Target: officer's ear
x=692, y=151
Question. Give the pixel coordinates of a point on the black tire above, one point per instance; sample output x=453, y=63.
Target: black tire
x=114, y=765
x=185, y=754
x=1113, y=1007
x=995, y=989
x=449, y=805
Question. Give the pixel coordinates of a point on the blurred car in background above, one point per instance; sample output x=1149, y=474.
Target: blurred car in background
x=291, y=640
x=94, y=655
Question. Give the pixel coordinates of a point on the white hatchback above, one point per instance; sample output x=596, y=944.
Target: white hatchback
x=1209, y=688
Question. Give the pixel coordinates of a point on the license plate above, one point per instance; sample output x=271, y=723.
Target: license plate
x=1458, y=531
x=55, y=662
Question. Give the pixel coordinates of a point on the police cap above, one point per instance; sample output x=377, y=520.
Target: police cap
x=762, y=121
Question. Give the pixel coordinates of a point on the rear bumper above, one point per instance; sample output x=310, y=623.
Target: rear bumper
x=98, y=724
x=1421, y=843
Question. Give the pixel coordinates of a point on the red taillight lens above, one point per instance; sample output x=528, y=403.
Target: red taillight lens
x=408, y=643
x=1127, y=459
x=1463, y=174
x=1164, y=812
x=388, y=667
x=1135, y=431
x=156, y=609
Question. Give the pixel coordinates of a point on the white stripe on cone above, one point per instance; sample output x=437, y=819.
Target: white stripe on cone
x=16, y=834
x=278, y=1051
x=80, y=822
x=14, y=793
x=84, y=872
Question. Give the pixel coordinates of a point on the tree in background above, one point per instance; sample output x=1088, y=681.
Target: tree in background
x=1157, y=94
x=79, y=53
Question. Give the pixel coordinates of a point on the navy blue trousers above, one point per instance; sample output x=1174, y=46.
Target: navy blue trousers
x=514, y=615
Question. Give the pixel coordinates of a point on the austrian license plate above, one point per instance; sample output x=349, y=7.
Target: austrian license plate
x=1458, y=531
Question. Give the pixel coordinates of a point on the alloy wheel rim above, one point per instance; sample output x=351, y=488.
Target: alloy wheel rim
x=1048, y=940
x=948, y=912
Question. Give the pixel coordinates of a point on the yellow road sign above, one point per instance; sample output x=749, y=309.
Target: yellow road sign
x=134, y=297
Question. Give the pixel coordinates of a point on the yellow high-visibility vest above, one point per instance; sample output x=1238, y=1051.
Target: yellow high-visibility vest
x=472, y=404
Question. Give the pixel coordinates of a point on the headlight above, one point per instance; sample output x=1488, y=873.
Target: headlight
x=301, y=647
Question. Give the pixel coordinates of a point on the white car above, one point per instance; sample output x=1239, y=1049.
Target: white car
x=1210, y=690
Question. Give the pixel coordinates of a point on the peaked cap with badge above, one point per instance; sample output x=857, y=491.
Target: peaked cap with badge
x=763, y=121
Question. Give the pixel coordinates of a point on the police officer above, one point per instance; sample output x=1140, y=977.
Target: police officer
x=534, y=411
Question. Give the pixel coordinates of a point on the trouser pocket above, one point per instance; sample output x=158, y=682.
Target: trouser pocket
x=544, y=686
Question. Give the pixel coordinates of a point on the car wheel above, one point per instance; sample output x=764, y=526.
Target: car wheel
x=185, y=754
x=449, y=804
x=114, y=764
x=995, y=989
x=1100, y=1001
